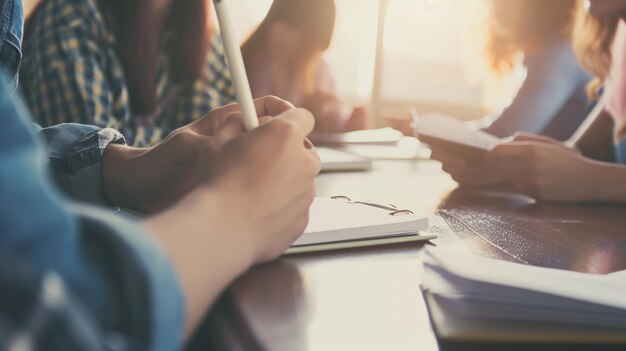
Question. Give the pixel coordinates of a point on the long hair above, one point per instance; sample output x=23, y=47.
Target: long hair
x=544, y=19
x=139, y=42
x=315, y=21
x=593, y=39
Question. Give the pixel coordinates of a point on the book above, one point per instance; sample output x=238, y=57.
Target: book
x=454, y=137
x=342, y=161
x=478, y=299
x=408, y=148
x=381, y=136
x=339, y=222
x=353, y=244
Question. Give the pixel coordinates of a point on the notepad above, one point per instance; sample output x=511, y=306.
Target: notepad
x=381, y=136
x=340, y=222
x=408, y=148
x=341, y=161
x=453, y=136
x=473, y=298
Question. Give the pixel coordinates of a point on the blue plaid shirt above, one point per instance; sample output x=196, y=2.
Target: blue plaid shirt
x=72, y=73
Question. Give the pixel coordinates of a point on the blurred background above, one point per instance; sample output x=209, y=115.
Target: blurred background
x=396, y=54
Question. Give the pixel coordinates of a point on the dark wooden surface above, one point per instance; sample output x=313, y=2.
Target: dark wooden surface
x=369, y=299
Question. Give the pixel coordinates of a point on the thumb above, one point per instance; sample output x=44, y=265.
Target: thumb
x=521, y=136
x=302, y=119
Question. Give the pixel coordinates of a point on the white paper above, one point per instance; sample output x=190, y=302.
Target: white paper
x=332, y=220
x=489, y=288
x=450, y=128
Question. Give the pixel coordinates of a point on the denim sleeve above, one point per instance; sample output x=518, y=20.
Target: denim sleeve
x=121, y=276
x=11, y=33
x=37, y=309
x=75, y=158
x=553, y=79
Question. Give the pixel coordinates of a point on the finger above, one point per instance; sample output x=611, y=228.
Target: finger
x=211, y=123
x=509, y=150
x=232, y=127
x=308, y=144
x=315, y=162
x=272, y=106
x=521, y=136
x=302, y=119
x=266, y=119
x=268, y=105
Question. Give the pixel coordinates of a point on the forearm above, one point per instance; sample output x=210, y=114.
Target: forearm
x=205, y=248
x=118, y=173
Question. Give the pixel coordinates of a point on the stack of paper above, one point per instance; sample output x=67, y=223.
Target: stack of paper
x=482, y=288
x=382, y=136
x=340, y=161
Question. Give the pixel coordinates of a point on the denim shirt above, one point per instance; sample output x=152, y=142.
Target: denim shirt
x=120, y=277
x=43, y=303
x=75, y=151
x=11, y=33
x=75, y=158
x=552, y=101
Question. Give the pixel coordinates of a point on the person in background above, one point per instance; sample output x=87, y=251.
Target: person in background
x=552, y=100
x=284, y=57
x=85, y=160
x=594, y=168
x=144, y=68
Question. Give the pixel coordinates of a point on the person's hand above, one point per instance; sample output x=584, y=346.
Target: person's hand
x=330, y=114
x=546, y=171
x=267, y=177
x=467, y=174
x=402, y=123
x=360, y=119
x=528, y=137
x=246, y=209
x=154, y=178
x=487, y=173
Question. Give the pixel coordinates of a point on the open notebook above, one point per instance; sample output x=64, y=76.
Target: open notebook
x=477, y=299
x=338, y=222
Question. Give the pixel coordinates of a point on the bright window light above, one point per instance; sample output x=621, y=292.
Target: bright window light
x=430, y=55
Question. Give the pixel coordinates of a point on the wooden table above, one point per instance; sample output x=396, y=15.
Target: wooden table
x=369, y=299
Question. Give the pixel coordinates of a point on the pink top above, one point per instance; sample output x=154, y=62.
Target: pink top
x=616, y=83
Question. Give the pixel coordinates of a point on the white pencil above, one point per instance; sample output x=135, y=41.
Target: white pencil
x=236, y=66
